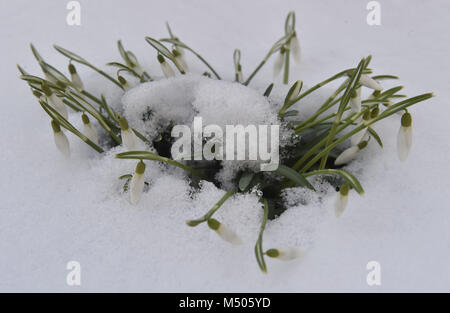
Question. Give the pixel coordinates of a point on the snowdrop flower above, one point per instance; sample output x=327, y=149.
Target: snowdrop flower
x=374, y=113
x=375, y=94
x=350, y=153
x=224, y=232
x=167, y=70
x=134, y=63
x=137, y=183
x=404, y=138
x=129, y=138
x=355, y=101
x=295, y=48
x=75, y=77
x=341, y=201
x=369, y=82
x=286, y=254
x=239, y=75
x=359, y=136
x=89, y=129
x=279, y=61
x=126, y=86
x=61, y=141
x=55, y=101
x=179, y=57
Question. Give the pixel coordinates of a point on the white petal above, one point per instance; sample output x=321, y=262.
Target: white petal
x=62, y=143
x=138, y=69
x=167, y=70
x=369, y=82
x=356, y=101
x=136, y=187
x=58, y=105
x=340, y=204
x=91, y=133
x=404, y=142
x=347, y=155
x=77, y=80
x=357, y=138
x=278, y=65
x=296, y=50
x=228, y=235
x=290, y=253
x=127, y=86
x=180, y=59
x=240, y=77
x=130, y=140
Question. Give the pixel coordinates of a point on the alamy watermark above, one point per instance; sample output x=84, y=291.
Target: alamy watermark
x=373, y=278
x=73, y=278
x=74, y=16
x=241, y=143
x=374, y=15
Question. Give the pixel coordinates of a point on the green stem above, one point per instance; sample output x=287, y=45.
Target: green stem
x=145, y=155
x=259, y=252
x=286, y=63
x=211, y=212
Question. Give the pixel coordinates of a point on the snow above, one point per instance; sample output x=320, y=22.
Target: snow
x=54, y=210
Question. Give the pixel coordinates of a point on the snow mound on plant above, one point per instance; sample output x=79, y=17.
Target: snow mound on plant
x=182, y=98
x=152, y=107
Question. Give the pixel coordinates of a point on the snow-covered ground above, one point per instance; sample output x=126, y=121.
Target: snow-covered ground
x=54, y=210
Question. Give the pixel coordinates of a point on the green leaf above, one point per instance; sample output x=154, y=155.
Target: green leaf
x=70, y=55
x=124, y=54
x=290, y=113
x=294, y=176
x=75, y=57
x=381, y=77
x=160, y=48
x=268, y=90
x=375, y=136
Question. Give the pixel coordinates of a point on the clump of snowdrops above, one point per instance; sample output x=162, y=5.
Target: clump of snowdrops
x=344, y=117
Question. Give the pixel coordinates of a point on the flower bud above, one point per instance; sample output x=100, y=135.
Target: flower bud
x=89, y=129
x=369, y=82
x=167, y=70
x=285, y=254
x=75, y=77
x=126, y=86
x=224, y=232
x=55, y=101
x=350, y=153
x=404, y=137
x=129, y=138
x=355, y=101
x=341, y=200
x=137, y=183
x=179, y=57
x=239, y=75
x=61, y=141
